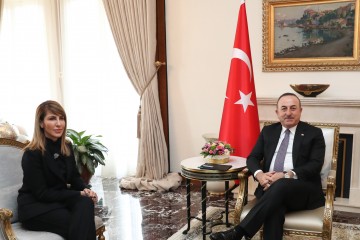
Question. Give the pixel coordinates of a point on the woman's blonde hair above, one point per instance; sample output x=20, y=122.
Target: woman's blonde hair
x=38, y=140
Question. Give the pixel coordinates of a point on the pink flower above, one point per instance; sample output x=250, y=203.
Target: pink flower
x=216, y=148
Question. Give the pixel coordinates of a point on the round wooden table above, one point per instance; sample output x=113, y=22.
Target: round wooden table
x=191, y=171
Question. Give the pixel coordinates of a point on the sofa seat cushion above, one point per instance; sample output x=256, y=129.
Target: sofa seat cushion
x=247, y=208
x=309, y=220
x=8, y=197
x=23, y=234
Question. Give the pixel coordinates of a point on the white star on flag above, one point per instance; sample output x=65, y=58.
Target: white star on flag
x=245, y=100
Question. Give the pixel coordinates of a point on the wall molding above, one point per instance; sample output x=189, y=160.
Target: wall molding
x=315, y=102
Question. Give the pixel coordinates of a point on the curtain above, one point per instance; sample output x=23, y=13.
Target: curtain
x=133, y=24
x=1, y=9
x=64, y=50
x=53, y=29
x=98, y=95
x=25, y=69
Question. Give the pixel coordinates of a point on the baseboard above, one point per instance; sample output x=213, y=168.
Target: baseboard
x=343, y=204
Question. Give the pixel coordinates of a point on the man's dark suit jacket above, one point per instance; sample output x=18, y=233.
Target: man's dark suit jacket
x=44, y=188
x=308, y=156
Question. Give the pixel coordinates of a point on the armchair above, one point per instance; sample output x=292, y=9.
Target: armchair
x=311, y=223
x=10, y=181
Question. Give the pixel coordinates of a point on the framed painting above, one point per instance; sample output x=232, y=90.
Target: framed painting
x=310, y=35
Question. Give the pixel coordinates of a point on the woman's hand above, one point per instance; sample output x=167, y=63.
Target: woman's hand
x=91, y=194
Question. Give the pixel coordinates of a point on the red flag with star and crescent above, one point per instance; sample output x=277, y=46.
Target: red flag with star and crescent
x=240, y=119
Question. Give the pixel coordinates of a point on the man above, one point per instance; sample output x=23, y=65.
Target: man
x=296, y=185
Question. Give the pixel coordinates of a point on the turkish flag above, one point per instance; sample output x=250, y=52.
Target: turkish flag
x=240, y=119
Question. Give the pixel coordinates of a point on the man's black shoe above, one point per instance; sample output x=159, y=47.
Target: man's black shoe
x=227, y=235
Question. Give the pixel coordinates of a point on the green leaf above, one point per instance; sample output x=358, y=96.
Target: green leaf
x=71, y=132
x=99, y=153
x=80, y=168
x=91, y=167
x=88, y=150
x=81, y=133
x=99, y=147
x=73, y=135
x=82, y=149
x=84, y=140
x=94, y=141
x=99, y=159
x=76, y=155
x=84, y=159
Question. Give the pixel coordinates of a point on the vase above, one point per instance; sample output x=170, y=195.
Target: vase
x=217, y=188
x=217, y=159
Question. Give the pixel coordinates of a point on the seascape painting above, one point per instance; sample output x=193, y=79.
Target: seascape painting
x=318, y=30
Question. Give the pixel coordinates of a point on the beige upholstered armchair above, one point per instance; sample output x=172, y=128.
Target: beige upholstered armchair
x=10, y=181
x=317, y=222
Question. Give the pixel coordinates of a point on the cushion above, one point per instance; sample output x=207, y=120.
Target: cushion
x=329, y=142
x=247, y=208
x=23, y=234
x=309, y=220
x=8, y=199
x=10, y=177
x=10, y=171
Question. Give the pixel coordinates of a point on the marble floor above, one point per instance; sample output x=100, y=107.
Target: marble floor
x=142, y=215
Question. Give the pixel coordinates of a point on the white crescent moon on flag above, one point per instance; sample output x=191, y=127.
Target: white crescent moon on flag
x=240, y=54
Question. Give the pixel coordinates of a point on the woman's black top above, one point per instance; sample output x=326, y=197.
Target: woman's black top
x=51, y=180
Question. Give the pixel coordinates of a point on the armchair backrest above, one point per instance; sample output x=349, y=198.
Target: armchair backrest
x=10, y=174
x=331, y=136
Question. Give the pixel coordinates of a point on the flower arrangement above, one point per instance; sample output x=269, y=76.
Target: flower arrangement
x=216, y=148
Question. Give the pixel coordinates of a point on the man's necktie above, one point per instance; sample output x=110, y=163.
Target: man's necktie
x=280, y=157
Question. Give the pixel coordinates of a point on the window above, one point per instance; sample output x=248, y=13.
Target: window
x=87, y=74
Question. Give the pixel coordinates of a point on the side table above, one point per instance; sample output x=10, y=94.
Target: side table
x=191, y=171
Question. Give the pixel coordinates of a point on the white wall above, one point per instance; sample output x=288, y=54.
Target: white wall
x=200, y=36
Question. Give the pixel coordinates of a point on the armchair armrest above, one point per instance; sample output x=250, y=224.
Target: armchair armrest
x=5, y=224
x=329, y=203
x=242, y=195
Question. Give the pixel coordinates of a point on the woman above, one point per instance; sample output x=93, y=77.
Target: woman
x=53, y=197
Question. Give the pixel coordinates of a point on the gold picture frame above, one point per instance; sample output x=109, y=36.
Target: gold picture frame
x=310, y=35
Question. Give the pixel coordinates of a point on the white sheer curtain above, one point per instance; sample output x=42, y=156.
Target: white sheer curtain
x=1, y=8
x=24, y=61
x=82, y=70
x=98, y=95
